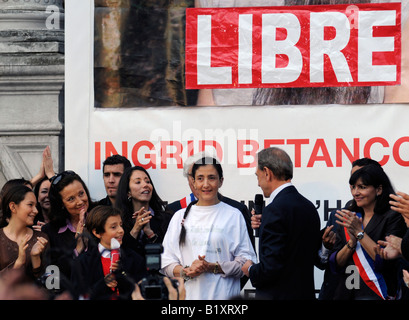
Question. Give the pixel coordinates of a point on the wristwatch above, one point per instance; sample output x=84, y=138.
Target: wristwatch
x=216, y=268
x=183, y=274
x=360, y=235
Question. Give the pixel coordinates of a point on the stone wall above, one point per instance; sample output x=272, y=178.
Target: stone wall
x=31, y=85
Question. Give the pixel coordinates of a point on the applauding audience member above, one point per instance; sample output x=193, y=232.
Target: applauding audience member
x=20, y=245
x=368, y=219
x=70, y=201
x=145, y=216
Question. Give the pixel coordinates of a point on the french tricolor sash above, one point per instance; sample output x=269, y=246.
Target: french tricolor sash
x=373, y=279
x=185, y=201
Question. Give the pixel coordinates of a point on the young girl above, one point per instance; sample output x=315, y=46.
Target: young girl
x=21, y=246
x=207, y=243
x=94, y=275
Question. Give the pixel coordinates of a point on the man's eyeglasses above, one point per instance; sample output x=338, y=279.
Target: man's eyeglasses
x=57, y=178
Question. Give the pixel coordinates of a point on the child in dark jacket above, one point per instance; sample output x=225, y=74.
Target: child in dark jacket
x=95, y=275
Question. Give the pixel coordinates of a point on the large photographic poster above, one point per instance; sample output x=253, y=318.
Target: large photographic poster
x=321, y=139
x=277, y=52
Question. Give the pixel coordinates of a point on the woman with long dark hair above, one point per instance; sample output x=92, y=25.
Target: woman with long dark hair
x=20, y=246
x=70, y=201
x=145, y=217
x=41, y=191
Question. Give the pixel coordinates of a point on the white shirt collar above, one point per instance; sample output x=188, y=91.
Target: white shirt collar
x=106, y=253
x=276, y=191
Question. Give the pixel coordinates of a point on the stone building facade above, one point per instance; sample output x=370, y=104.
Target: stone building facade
x=31, y=85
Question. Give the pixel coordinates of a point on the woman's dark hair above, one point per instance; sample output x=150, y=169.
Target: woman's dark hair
x=14, y=194
x=373, y=175
x=202, y=162
x=40, y=215
x=205, y=161
x=364, y=162
x=59, y=214
x=97, y=218
x=125, y=205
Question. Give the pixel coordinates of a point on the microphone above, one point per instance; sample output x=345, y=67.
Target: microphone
x=115, y=255
x=258, y=207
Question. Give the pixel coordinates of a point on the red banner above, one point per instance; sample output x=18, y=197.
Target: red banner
x=299, y=46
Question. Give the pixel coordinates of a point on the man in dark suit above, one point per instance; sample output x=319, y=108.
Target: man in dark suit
x=289, y=233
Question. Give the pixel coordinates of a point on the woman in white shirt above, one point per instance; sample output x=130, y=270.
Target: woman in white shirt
x=207, y=243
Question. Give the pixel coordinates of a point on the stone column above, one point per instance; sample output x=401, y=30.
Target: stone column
x=31, y=85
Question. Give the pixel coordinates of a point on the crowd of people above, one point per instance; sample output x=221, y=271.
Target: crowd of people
x=57, y=243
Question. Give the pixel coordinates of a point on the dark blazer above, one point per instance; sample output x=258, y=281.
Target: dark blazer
x=62, y=246
x=405, y=245
x=159, y=224
x=289, y=240
x=380, y=225
x=87, y=276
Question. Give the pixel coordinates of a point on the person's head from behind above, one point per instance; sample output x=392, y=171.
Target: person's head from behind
x=274, y=167
x=113, y=168
x=69, y=197
x=19, y=204
x=370, y=188
x=105, y=223
x=208, y=178
x=359, y=163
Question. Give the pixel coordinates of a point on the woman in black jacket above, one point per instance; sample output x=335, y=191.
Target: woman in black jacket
x=144, y=214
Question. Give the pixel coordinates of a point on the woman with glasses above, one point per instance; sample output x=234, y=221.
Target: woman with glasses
x=70, y=201
x=145, y=216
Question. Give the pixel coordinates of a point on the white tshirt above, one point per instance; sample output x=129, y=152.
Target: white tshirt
x=219, y=233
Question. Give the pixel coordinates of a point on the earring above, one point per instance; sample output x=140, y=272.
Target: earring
x=129, y=198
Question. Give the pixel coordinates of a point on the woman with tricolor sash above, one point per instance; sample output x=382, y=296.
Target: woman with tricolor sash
x=368, y=218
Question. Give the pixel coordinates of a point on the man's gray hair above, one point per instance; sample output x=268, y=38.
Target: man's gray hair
x=278, y=161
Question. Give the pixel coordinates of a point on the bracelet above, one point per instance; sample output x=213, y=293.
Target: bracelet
x=349, y=247
x=153, y=238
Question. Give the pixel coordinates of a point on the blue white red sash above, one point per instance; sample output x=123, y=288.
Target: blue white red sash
x=185, y=201
x=373, y=279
